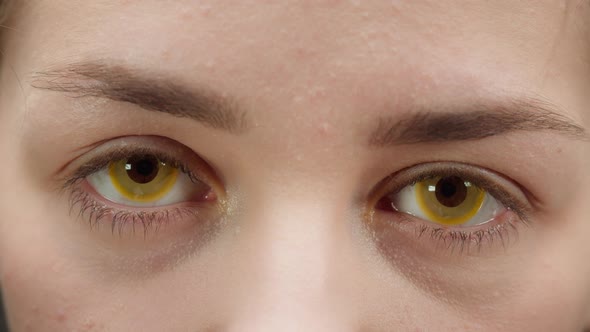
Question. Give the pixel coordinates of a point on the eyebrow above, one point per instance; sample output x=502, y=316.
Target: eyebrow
x=477, y=122
x=153, y=92
x=149, y=91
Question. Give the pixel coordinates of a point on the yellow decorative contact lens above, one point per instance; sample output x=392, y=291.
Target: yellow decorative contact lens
x=449, y=200
x=142, y=179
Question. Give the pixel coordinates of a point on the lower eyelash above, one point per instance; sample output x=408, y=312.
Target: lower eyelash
x=465, y=241
x=97, y=213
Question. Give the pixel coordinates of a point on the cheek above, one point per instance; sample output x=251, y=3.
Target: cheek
x=554, y=287
x=54, y=278
x=549, y=303
x=39, y=299
x=40, y=291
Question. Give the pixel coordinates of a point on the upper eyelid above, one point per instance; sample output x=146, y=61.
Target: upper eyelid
x=99, y=163
x=100, y=156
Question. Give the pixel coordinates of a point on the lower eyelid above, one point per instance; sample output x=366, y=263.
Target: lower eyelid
x=500, y=232
x=88, y=205
x=169, y=237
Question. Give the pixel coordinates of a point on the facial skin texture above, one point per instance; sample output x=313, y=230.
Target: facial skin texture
x=297, y=246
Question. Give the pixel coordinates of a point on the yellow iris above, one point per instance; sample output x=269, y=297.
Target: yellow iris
x=142, y=179
x=449, y=200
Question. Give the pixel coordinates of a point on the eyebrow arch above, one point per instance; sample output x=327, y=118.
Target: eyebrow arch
x=151, y=92
x=478, y=122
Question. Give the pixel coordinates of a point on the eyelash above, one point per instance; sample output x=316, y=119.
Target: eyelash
x=102, y=162
x=465, y=241
x=454, y=239
x=451, y=238
x=97, y=212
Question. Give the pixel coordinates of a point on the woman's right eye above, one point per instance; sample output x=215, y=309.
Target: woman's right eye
x=144, y=181
x=147, y=181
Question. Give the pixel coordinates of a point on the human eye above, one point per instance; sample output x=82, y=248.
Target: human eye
x=448, y=201
x=141, y=181
x=145, y=179
x=457, y=204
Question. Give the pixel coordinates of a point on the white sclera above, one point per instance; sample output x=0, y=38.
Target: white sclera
x=181, y=191
x=405, y=201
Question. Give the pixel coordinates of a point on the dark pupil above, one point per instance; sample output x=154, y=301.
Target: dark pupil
x=142, y=169
x=451, y=192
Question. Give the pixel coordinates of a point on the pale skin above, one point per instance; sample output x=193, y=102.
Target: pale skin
x=295, y=242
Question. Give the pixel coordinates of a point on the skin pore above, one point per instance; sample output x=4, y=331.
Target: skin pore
x=301, y=117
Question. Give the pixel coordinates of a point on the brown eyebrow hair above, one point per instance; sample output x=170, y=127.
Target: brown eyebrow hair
x=477, y=122
x=150, y=92
x=153, y=92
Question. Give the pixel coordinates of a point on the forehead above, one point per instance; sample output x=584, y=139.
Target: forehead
x=347, y=31
x=315, y=50
x=312, y=21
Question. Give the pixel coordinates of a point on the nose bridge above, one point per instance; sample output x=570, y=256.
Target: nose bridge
x=298, y=241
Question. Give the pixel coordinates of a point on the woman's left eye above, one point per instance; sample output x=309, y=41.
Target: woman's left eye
x=447, y=201
x=146, y=181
